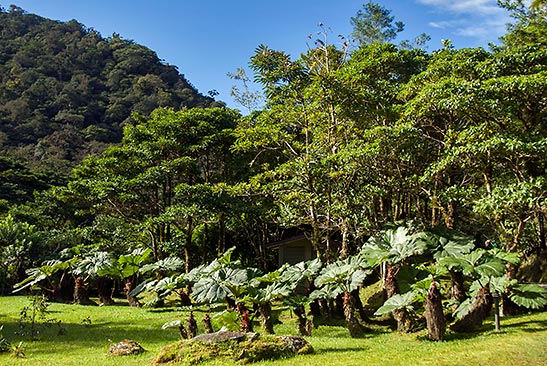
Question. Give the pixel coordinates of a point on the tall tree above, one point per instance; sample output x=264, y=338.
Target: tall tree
x=374, y=23
x=160, y=180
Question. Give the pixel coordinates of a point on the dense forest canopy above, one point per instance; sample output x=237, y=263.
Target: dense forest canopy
x=350, y=142
x=66, y=91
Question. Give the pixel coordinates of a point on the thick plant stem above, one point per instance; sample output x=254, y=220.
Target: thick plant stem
x=129, y=286
x=391, y=288
x=355, y=329
x=434, y=316
x=265, y=310
x=478, y=313
x=304, y=324
x=457, y=287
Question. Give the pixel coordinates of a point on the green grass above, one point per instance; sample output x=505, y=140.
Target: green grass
x=523, y=340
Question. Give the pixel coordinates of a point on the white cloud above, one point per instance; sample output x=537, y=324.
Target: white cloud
x=446, y=24
x=480, y=19
x=487, y=7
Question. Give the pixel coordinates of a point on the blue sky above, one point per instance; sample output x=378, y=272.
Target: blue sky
x=207, y=39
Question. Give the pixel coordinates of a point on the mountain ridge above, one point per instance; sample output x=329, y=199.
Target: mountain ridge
x=66, y=91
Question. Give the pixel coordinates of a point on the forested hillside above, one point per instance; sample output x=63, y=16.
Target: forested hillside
x=66, y=91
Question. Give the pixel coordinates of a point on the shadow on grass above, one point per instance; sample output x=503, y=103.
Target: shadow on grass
x=340, y=350
x=530, y=326
x=88, y=334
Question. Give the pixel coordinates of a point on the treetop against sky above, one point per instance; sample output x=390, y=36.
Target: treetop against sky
x=206, y=40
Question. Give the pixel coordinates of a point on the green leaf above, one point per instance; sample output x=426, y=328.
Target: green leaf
x=172, y=324
x=529, y=296
x=492, y=268
x=209, y=290
x=464, y=308
x=228, y=319
x=170, y=264
x=397, y=302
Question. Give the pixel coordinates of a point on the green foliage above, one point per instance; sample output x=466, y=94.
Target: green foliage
x=463, y=308
x=340, y=276
x=20, y=245
x=126, y=265
x=529, y=296
x=228, y=319
x=398, y=302
x=36, y=276
x=394, y=246
x=449, y=243
x=34, y=317
x=374, y=23
x=69, y=90
x=477, y=264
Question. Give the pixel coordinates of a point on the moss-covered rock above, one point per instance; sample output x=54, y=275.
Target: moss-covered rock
x=125, y=348
x=245, y=350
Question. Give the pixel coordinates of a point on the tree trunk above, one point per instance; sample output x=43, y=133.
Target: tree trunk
x=391, y=288
x=390, y=283
x=355, y=329
x=315, y=307
x=479, y=312
x=304, y=324
x=541, y=231
x=207, y=323
x=508, y=307
x=81, y=297
x=230, y=304
x=265, y=310
x=246, y=322
x=104, y=290
x=184, y=297
x=434, y=316
x=129, y=286
x=457, y=287
x=191, y=326
x=359, y=306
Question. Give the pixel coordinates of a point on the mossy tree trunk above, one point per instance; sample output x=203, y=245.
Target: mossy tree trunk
x=304, y=324
x=104, y=290
x=81, y=296
x=265, y=311
x=129, y=286
x=457, y=287
x=207, y=323
x=246, y=322
x=479, y=312
x=355, y=329
x=434, y=316
x=191, y=326
x=390, y=286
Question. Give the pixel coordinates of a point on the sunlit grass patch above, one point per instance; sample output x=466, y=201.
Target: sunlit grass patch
x=91, y=330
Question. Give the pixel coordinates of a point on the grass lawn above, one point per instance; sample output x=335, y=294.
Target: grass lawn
x=89, y=331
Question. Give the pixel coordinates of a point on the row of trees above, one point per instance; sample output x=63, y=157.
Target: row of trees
x=413, y=265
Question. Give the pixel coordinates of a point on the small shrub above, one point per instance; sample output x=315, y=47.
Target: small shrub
x=35, y=315
x=18, y=351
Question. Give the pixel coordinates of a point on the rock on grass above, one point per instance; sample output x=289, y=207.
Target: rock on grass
x=231, y=346
x=125, y=348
